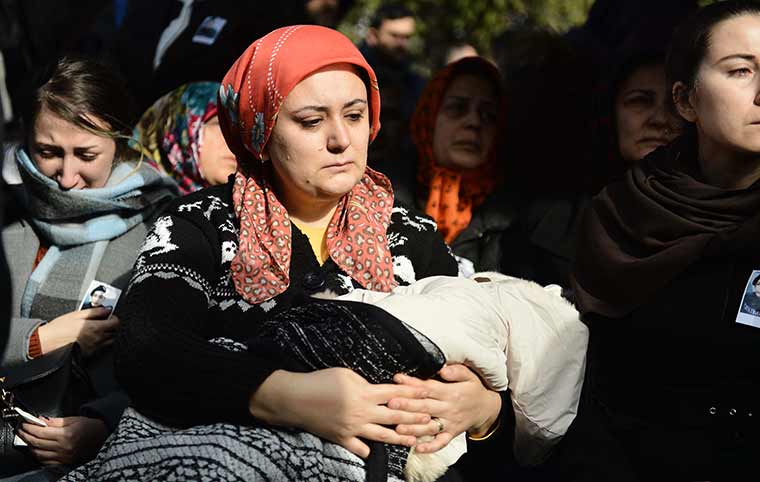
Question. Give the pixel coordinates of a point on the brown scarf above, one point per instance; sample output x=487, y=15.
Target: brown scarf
x=643, y=231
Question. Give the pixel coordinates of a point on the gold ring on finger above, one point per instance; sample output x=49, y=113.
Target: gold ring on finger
x=440, y=424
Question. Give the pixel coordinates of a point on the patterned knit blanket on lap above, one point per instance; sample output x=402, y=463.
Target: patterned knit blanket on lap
x=317, y=334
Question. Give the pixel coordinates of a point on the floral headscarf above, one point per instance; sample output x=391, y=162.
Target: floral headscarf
x=250, y=98
x=452, y=193
x=170, y=132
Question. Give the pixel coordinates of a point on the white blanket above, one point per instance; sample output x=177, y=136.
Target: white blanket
x=514, y=333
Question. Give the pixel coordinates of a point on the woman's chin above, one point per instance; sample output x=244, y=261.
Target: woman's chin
x=333, y=192
x=466, y=162
x=340, y=183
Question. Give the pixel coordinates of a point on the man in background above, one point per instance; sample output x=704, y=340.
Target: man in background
x=387, y=49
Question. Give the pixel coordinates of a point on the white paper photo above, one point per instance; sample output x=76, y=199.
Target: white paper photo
x=749, y=306
x=100, y=294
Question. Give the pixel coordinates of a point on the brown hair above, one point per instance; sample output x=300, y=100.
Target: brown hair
x=79, y=89
x=692, y=39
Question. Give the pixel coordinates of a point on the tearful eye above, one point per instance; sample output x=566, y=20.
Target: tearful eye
x=45, y=154
x=310, y=123
x=740, y=72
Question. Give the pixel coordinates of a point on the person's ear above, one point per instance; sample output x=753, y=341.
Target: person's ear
x=371, y=37
x=683, y=98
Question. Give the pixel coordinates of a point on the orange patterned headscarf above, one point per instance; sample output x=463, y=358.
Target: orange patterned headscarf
x=452, y=193
x=249, y=99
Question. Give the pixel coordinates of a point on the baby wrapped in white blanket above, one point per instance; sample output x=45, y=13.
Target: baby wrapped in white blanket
x=513, y=333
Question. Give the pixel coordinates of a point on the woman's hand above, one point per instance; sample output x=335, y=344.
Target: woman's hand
x=461, y=403
x=338, y=405
x=92, y=328
x=68, y=440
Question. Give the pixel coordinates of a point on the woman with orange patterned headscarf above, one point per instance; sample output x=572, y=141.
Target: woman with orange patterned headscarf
x=302, y=214
x=455, y=128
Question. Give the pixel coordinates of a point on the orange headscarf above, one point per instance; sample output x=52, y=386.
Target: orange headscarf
x=452, y=193
x=249, y=99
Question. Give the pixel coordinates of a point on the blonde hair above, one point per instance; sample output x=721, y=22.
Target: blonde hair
x=82, y=91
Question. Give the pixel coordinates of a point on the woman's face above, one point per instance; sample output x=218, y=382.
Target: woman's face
x=465, y=127
x=70, y=155
x=215, y=160
x=318, y=147
x=725, y=101
x=643, y=120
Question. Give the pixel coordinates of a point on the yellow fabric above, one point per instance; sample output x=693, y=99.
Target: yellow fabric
x=318, y=240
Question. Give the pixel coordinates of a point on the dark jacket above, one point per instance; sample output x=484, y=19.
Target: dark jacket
x=482, y=240
x=676, y=384
x=541, y=245
x=187, y=59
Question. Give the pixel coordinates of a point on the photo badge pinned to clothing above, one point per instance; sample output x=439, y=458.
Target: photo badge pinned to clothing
x=749, y=306
x=100, y=294
x=209, y=30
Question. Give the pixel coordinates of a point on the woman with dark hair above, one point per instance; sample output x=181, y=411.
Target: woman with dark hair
x=641, y=118
x=87, y=208
x=664, y=258
x=180, y=135
x=303, y=213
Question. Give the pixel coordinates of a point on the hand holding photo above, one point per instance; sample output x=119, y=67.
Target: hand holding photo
x=100, y=294
x=28, y=418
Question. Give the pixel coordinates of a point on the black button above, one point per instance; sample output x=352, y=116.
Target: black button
x=313, y=282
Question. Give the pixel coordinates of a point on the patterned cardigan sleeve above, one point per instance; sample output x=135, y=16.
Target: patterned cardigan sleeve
x=418, y=248
x=169, y=369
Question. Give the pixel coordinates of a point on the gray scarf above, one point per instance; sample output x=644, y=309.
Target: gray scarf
x=77, y=225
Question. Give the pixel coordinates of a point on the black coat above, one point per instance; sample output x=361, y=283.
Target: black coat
x=673, y=389
x=541, y=244
x=482, y=240
x=186, y=60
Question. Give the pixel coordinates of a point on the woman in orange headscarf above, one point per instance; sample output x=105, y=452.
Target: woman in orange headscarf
x=455, y=129
x=302, y=214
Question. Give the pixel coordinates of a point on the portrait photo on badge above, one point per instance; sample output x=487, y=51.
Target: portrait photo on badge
x=100, y=294
x=749, y=307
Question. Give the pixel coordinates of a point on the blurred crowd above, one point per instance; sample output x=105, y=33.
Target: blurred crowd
x=596, y=161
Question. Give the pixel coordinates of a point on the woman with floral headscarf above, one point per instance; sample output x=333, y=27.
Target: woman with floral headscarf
x=303, y=214
x=180, y=135
x=454, y=129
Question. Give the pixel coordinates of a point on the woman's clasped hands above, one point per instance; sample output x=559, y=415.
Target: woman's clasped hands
x=342, y=407
x=457, y=403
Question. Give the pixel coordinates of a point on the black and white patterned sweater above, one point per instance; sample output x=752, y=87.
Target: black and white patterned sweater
x=180, y=353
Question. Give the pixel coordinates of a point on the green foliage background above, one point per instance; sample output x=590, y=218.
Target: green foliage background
x=477, y=21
